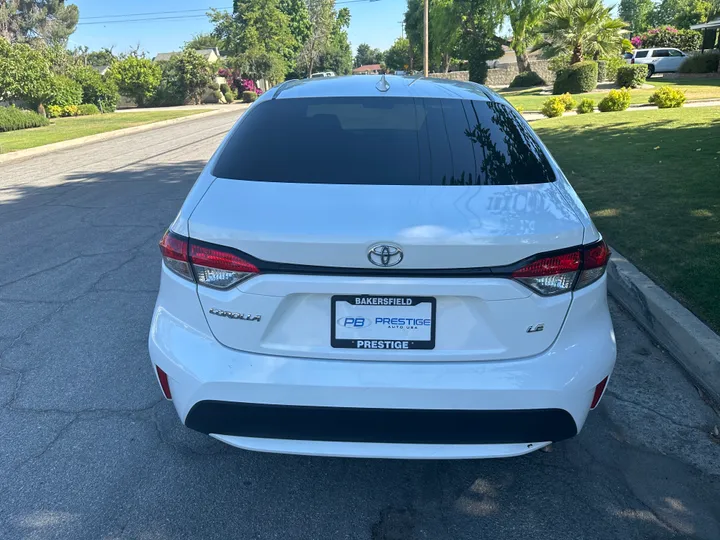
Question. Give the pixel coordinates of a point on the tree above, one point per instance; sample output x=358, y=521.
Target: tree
x=299, y=21
x=414, y=30
x=257, y=35
x=338, y=55
x=683, y=13
x=480, y=20
x=101, y=58
x=367, y=55
x=25, y=73
x=444, y=32
x=525, y=17
x=49, y=21
x=136, y=78
x=188, y=75
x=581, y=27
x=322, y=19
x=636, y=13
x=397, y=57
x=203, y=41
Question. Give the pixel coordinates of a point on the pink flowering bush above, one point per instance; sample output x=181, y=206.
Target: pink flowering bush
x=668, y=36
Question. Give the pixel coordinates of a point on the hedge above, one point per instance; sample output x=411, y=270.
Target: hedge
x=701, y=63
x=526, y=79
x=602, y=70
x=632, y=76
x=12, y=118
x=668, y=36
x=578, y=78
x=248, y=96
x=63, y=92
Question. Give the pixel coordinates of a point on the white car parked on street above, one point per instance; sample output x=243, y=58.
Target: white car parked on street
x=660, y=60
x=383, y=267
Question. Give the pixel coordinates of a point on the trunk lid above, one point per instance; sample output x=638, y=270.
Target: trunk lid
x=331, y=228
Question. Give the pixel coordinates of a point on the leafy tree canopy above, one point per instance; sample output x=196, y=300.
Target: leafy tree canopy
x=367, y=55
x=203, y=41
x=397, y=57
x=48, y=21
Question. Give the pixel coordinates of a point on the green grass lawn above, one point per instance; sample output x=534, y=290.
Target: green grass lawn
x=695, y=89
x=651, y=181
x=63, y=129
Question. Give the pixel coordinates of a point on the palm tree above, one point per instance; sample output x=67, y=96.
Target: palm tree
x=581, y=27
x=525, y=17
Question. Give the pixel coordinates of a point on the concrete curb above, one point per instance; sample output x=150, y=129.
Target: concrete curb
x=693, y=344
x=81, y=141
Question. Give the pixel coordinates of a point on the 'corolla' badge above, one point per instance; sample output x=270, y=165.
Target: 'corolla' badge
x=385, y=255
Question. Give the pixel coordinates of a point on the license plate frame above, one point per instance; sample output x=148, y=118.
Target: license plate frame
x=405, y=344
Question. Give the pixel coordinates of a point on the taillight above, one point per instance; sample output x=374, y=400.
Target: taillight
x=213, y=266
x=599, y=391
x=174, y=249
x=218, y=268
x=556, y=274
x=632, y=60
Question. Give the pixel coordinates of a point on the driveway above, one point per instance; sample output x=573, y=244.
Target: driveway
x=88, y=449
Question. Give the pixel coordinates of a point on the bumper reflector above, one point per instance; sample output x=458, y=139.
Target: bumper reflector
x=599, y=389
x=164, y=383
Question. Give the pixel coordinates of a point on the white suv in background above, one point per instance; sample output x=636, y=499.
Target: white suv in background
x=383, y=267
x=660, y=60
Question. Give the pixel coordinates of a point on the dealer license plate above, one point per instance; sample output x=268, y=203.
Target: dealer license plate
x=382, y=322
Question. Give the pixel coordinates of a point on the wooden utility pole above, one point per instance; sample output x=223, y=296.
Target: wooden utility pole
x=426, y=53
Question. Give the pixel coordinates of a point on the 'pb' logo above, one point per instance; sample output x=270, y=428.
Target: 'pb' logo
x=354, y=322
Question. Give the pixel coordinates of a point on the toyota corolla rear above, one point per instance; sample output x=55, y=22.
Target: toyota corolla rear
x=402, y=272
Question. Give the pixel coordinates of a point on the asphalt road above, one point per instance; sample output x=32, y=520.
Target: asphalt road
x=89, y=450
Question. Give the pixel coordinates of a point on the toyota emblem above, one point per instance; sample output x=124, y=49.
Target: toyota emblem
x=385, y=255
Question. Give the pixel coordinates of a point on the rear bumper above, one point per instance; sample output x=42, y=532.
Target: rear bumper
x=383, y=409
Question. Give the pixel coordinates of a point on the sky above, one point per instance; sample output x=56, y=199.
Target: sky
x=376, y=23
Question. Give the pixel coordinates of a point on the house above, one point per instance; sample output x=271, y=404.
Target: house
x=369, y=69
x=710, y=30
x=211, y=55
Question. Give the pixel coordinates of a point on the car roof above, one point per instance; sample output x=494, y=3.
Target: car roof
x=657, y=49
x=368, y=86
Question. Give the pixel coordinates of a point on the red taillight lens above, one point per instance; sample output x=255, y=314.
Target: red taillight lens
x=218, y=268
x=174, y=249
x=550, y=275
x=599, y=389
x=164, y=383
x=595, y=259
x=561, y=273
x=213, y=266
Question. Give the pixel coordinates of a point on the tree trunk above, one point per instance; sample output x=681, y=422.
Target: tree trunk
x=446, y=62
x=523, y=62
x=577, y=54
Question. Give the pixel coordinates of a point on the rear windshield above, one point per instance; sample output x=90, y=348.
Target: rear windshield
x=381, y=140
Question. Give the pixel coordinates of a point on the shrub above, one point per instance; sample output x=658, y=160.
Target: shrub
x=249, y=96
x=63, y=92
x=519, y=108
x=587, y=105
x=136, y=78
x=667, y=97
x=53, y=111
x=576, y=79
x=71, y=110
x=96, y=89
x=701, y=63
x=12, y=118
x=229, y=96
x=613, y=64
x=559, y=62
x=554, y=106
x=616, y=100
x=631, y=76
x=88, y=109
x=526, y=79
x=224, y=88
x=669, y=36
x=568, y=101
x=187, y=75
x=602, y=70
x=218, y=95
x=214, y=86
x=626, y=46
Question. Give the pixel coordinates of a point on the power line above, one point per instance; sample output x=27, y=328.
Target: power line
x=121, y=18
x=152, y=13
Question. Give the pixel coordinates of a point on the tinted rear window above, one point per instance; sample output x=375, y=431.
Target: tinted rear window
x=381, y=140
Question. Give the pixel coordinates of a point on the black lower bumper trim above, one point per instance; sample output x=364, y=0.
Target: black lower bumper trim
x=414, y=426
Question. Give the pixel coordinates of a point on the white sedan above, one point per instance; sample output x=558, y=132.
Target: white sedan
x=383, y=267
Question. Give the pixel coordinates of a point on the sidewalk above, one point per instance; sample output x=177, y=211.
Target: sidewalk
x=213, y=106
